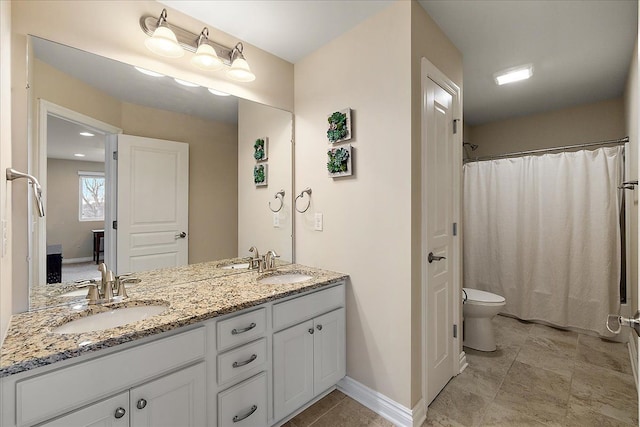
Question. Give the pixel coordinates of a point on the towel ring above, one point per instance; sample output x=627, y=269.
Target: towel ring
x=280, y=196
x=301, y=195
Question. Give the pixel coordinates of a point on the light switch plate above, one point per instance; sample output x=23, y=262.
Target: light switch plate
x=276, y=220
x=317, y=223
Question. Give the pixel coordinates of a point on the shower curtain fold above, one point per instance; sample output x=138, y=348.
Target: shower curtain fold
x=543, y=231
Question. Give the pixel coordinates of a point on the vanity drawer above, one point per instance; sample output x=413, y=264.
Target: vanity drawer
x=244, y=405
x=297, y=310
x=45, y=396
x=241, y=329
x=236, y=362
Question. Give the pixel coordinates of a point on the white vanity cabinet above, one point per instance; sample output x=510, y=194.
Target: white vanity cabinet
x=309, y=357
x=176, y=399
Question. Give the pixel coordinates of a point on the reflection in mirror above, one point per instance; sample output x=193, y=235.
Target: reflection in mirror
x=85, y=107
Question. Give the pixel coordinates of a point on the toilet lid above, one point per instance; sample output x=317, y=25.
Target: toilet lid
x=482, y=296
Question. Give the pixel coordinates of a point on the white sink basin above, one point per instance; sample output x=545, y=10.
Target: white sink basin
x=110, y=319
x=75, y=293
x=284, y=279
x=240, y=266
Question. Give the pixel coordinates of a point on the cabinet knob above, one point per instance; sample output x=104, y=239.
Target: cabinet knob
x=319, y=327
x=141, y=404
x=311, y=331
x=119, y=413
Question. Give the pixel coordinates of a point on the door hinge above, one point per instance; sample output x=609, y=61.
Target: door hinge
x=455, y=228
x=455, y=125
x=455, y=331
x=115, y=155
x=114, y=224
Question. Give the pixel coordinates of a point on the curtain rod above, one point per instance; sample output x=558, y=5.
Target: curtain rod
x=546, y=150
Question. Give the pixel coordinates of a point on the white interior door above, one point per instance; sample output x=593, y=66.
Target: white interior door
x=153, y=204
x=439, y=238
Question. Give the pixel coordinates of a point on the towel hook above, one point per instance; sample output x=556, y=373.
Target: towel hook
x=35, y=185
x=301, y=195
x=280, y=196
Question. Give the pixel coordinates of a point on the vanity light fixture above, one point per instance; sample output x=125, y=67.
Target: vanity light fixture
x=206, y=57
x=86, y=134
x=513, y=74
x=240, y=70
x=148, y=72
x=217, y=92
x=163, y=41
x=186, y=83
x=209, y=55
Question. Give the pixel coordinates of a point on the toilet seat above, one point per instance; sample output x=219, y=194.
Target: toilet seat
x=476, y=296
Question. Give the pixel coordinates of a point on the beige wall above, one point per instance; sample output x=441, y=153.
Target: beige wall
x=370, y=218
x=5, y=162
x=427, y=41
x=584, y=123
x=63, y=225
x=631, y=121
x=255, y=220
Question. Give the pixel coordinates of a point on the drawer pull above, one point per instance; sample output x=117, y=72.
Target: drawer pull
x=240, y=331
x=120, y=413
x=237, y=418
x=319, y=327
x=141, y=404
x=246, y=362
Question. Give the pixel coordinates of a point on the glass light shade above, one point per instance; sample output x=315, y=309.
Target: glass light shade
x=164, y=43
x=240, y=71
x=206, y=58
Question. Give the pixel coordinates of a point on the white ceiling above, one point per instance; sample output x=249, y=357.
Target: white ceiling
x=64, y=140
x=581, y=50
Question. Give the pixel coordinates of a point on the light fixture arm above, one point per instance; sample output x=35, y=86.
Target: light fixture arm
x=188, y=40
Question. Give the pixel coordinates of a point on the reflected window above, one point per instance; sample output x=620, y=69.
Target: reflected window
x=91, y=196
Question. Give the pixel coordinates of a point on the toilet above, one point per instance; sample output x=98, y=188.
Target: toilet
x=478, y=309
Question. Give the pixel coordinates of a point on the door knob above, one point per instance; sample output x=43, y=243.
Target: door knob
x=433, y=257
x=182, y=235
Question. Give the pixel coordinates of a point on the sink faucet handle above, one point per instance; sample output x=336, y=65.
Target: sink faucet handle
x=270, y=260
x=121, y=291
x=256, y=260
x=93, y=295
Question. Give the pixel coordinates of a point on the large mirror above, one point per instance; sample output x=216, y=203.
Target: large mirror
x=210, y=202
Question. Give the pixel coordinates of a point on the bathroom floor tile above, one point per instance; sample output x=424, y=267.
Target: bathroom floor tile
x=557, y=336
x=349, y=413
x=318, y=409
x=604, y=353
x=484, y=382
x=460, y=405
x=579, y=415
x=499, y=416
x=436, y=419
x=542, y=353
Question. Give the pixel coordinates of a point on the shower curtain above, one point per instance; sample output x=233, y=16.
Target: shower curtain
x=543, y=231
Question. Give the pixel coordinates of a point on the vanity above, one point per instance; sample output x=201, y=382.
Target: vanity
x=243, y=349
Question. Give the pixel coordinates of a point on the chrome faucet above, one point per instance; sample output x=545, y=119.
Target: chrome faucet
x=107, y=282
x=270, y=260
x=256, y=261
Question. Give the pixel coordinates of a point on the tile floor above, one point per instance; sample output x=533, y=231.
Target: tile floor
x=539, y=376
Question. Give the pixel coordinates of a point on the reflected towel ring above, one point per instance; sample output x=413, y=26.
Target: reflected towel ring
x=301, y=195
x=280, y=196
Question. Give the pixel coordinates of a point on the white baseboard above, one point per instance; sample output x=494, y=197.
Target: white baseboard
x=633, y=354
x=76, y=260
x=398, y=414
x=463, y=362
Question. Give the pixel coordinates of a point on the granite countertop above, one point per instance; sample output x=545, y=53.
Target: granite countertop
x=30, y=342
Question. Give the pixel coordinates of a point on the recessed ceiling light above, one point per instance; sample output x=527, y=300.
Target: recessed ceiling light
x=149, y=72
x=79, y=155
x=513, y=74
x=86, y=134
x=217, y=92
x=186, y=83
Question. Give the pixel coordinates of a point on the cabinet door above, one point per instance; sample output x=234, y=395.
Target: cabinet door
x=113, y=412
x=176, y=399
x=292, y=368
x=329, y=350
